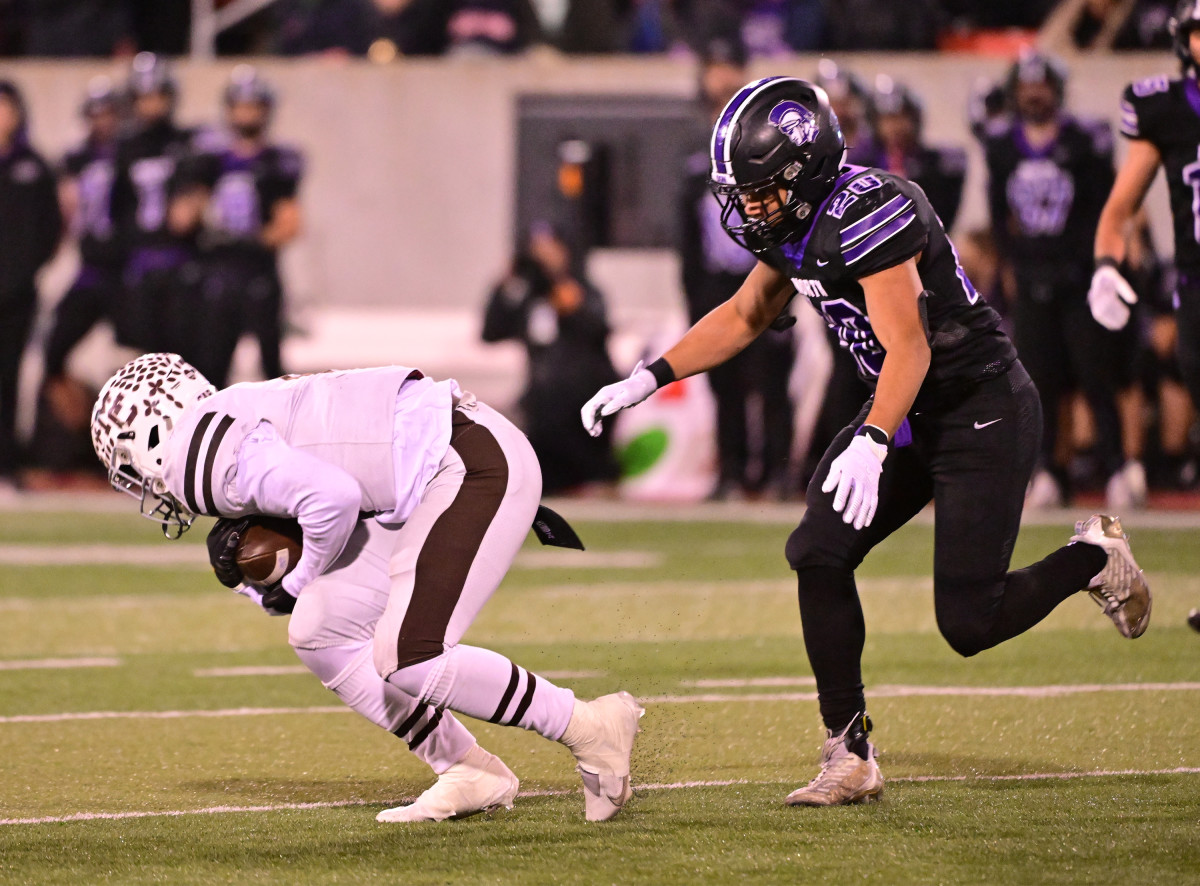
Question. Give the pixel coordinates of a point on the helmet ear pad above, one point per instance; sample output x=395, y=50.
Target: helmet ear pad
x=1185, y=20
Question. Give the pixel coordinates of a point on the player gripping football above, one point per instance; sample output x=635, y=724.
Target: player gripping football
x=954, y=418
x=413, y=499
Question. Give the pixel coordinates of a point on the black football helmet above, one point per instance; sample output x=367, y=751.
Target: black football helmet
x=101, y=96
x=889, y=96
x=151, y=73
x=247, y=85
x=777, y=135
x=1036, y=67
x=1185, y=20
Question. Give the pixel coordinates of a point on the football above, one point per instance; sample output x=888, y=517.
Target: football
x=269, y=550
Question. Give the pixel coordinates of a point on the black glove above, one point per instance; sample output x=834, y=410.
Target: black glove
x=223, y=541
x=278, y=599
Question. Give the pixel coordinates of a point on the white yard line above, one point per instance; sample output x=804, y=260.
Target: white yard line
x=697, y=698
x=160, y=555
x=253, y=671
x=750, y=681
x=50, y=664
x=156, y=555
x=673, y=786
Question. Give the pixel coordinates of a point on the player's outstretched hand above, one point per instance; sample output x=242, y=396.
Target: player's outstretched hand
x=615, y=397
x=1110, y=296
x=855, y=475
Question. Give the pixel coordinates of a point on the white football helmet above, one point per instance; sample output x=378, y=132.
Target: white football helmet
x=133, y=416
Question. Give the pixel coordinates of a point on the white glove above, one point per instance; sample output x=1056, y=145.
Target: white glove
x=855, y=474
x=615, y=397
x=256, y=598
x=1109, y=298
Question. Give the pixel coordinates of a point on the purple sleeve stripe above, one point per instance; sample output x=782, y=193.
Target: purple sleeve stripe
x=878, y=238
x=879, y=217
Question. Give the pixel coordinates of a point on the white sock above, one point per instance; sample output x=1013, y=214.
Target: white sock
x=486, y=685
x=433, y=735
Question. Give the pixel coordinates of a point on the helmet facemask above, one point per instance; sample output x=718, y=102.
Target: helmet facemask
x=773, y=226
x=134, y=414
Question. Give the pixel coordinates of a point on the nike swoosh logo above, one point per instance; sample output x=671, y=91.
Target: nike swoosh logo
x=821, y=264
x=980, y=425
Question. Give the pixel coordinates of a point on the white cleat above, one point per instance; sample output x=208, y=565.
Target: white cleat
x=1119, y=588
x=600, y=735
x=1126, y=488
x=479, y=782
x=1043, y=492
x=845, y=777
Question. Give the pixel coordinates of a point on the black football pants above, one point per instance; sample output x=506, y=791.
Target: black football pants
x=972, y=456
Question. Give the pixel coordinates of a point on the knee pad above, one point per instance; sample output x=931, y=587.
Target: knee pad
x=966, y=636
x=430, y=680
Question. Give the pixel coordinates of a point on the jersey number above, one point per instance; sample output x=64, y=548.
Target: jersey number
x=1191, y=178
x=854, y=330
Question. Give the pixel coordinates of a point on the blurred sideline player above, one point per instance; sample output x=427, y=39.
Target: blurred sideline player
x=902, y=151
x=954, y=417
x=155, y=211
x=85, y=191
x=712, y=267
x=1048, y=172
x=1161, y=118
x=252, y=213
x=378, y=605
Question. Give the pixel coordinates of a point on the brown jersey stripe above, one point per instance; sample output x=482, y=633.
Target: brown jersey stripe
x=210, y=459
x=453, y=542
x=189, y=474
x=508, y=695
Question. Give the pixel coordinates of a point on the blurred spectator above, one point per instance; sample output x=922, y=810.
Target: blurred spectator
x=546, y=303
x=780, y=27
x=989, y=14
x=1107, y=24
x=754, y=411
x=651, y=26
x=576, y=26
x=884, y=25
x=411, y=27
x=252, y=213
x=155, y=214
x=30, y=229
x=1048, y=177
x=162, y=26
x=312, y=26
x=78, y=27
x=489, y=27
x=939, y=171
x=85, y=192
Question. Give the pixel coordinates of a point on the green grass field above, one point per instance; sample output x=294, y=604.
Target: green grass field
x=1068, y=755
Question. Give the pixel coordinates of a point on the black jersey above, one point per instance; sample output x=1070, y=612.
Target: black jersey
x=148, y=174
x=872, y=221
x=1045, y=202
x=92, y=167
x=1166, y=113
x=938, y=171
x=244, y=193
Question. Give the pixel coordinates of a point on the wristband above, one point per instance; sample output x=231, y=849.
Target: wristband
x=876, y=435
x=662, y=372
x=1107, y=261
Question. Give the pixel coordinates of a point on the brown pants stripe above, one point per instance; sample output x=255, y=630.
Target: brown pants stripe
x=452, y=544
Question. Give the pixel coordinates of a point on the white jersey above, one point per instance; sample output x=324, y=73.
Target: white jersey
x=320, y=448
